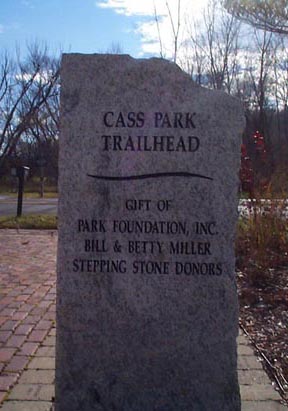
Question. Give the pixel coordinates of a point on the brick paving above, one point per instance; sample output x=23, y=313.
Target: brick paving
x=27, y=330
x=27, y=319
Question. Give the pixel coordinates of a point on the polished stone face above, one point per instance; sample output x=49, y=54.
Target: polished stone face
x=147, y=305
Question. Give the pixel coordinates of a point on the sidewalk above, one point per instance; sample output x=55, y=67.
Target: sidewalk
x=27, y=330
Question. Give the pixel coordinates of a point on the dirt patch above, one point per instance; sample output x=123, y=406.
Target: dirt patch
x=263, y=300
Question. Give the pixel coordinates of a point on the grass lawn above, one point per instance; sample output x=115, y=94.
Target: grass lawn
x=40, y=222
x=32, y=195
x=31, y=190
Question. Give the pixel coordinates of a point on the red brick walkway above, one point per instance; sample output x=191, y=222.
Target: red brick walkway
x=27, y=303
x=27, y=330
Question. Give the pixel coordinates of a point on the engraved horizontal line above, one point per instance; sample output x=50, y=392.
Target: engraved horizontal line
x=146, y=176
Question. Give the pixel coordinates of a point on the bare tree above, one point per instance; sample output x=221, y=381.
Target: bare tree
x=260, y=75
x=194, y=56
x=269, y=15
x=28, y=98
x=280, y=69
x=214, y=48
x=158, y=29
x=280, y=90
x=175, y=28
x=115, y=48
x=44, y=95
x=222, y=41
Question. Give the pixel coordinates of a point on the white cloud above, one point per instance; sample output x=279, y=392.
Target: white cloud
x=128, y=7
x=40, y=77
x=146, y=26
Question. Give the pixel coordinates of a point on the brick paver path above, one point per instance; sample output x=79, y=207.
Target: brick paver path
x=27, y=330
x=27, y=318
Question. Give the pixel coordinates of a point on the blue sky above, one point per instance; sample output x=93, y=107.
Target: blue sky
x=90, y=26
x=75, y=25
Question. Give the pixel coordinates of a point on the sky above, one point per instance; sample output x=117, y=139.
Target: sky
x=93, y=26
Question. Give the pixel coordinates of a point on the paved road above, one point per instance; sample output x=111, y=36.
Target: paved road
x=8, y=206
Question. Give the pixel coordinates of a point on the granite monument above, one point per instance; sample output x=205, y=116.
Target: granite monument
x=147, y=312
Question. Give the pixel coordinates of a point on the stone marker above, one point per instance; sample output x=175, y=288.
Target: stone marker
x=147, y=313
